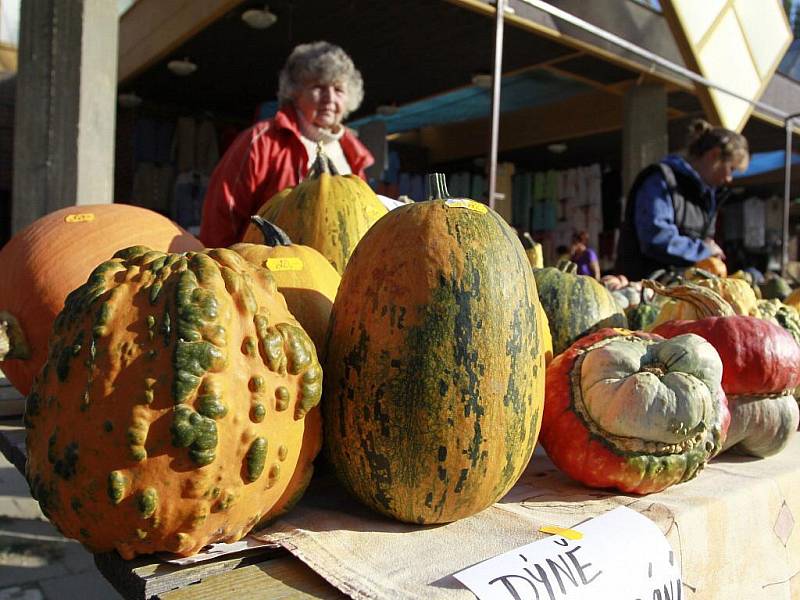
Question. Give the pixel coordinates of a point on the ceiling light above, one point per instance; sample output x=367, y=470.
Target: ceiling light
x=182, y=67
x=482, y=80
x=129, y=100
x=259, y=18
x=557, y=148
x=386, y=110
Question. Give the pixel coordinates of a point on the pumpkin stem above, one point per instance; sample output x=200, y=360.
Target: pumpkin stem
x=706, y=302
x=273, y=235
x=437, y=187
x=322, y=164
x=698, y=273
x=567, y=266
x=12, y=340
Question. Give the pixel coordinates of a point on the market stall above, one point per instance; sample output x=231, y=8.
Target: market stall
x=732, y=530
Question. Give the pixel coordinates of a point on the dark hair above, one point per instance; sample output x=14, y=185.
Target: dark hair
x=580, y=236
x=704, y=137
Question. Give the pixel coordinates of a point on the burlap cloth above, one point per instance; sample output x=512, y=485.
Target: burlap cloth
x=733, y=528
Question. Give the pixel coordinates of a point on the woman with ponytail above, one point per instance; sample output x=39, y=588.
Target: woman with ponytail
x=672, y=205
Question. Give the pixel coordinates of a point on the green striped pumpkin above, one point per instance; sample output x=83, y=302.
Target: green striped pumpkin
x=576, y=305
x=784, y=315
x=326, y=211
x=434, y=373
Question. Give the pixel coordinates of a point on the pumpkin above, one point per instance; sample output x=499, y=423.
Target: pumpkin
x=632, y=411
x=327, y=211
x=761, y=369
x=52, y=256
x=748, y=277
x=306, y=279
x=575, y=305
x=713, y=264
x=176, y=407
x=782, y=314
x=644, y=314
x=533, y=250
x=775, y=286
x=736, y=293
x=793, y=299
x=434, y=372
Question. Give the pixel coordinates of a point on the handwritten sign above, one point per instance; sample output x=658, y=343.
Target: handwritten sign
x=285, y=263
x=621, y=554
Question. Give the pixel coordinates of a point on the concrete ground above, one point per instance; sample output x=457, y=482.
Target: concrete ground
x=36, y=561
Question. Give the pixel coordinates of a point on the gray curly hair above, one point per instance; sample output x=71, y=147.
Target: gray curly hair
x=320, y=62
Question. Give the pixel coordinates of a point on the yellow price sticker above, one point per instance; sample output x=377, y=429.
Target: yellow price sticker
x=570, y=534
x=287, y=263
x=468, y=204
x=79, y=218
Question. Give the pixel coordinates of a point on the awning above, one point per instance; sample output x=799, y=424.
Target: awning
x=764, y=162
x=523, y=90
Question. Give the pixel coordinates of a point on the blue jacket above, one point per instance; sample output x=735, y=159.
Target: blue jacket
x=655, y=218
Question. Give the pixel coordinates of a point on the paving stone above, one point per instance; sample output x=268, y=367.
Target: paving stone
x=12, y=483
x=19, y=593
x=83, y=586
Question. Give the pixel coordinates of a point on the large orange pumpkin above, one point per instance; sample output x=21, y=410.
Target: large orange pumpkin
x=48, y=259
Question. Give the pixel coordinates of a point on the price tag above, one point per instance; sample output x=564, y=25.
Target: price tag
x=287, y=263
x=468, y=204
x=79, y=218
x=621, y=554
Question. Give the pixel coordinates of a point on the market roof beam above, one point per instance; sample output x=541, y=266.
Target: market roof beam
x=151, y=29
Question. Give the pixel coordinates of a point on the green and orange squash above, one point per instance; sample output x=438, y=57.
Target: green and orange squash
x=52, y=256
x=761, y=370
x=326, y=211
x=177, y=406
x=434, y=372
x=575, y=305
x=633, y=411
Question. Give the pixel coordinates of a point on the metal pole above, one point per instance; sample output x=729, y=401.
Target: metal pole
x=497, y=75
x=787, y=191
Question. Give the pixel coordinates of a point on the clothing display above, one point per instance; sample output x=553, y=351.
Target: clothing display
x=187, y=200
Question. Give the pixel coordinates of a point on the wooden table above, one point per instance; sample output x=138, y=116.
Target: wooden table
x=256, y=573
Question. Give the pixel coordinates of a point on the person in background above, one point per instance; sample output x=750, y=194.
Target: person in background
x=672, y=206
x=318, y=87
x=583, y=256
x=562, y=253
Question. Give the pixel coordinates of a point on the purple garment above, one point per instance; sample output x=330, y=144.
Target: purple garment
x=584, y=261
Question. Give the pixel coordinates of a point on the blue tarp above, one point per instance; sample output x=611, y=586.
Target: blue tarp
x=523, y=90
x=764, y=162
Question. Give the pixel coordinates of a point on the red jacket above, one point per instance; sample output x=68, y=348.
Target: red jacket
x=261, y=161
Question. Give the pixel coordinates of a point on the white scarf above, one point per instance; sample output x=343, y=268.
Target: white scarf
x=311, y=135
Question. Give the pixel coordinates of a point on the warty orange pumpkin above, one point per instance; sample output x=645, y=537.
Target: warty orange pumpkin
x=177, y=407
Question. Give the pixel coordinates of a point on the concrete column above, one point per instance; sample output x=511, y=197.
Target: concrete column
x=65, y=107
x=644, y=130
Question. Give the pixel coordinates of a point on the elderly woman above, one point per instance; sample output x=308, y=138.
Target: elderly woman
x=318, y=87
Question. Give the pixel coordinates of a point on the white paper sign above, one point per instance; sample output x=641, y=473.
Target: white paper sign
x=621, y=555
